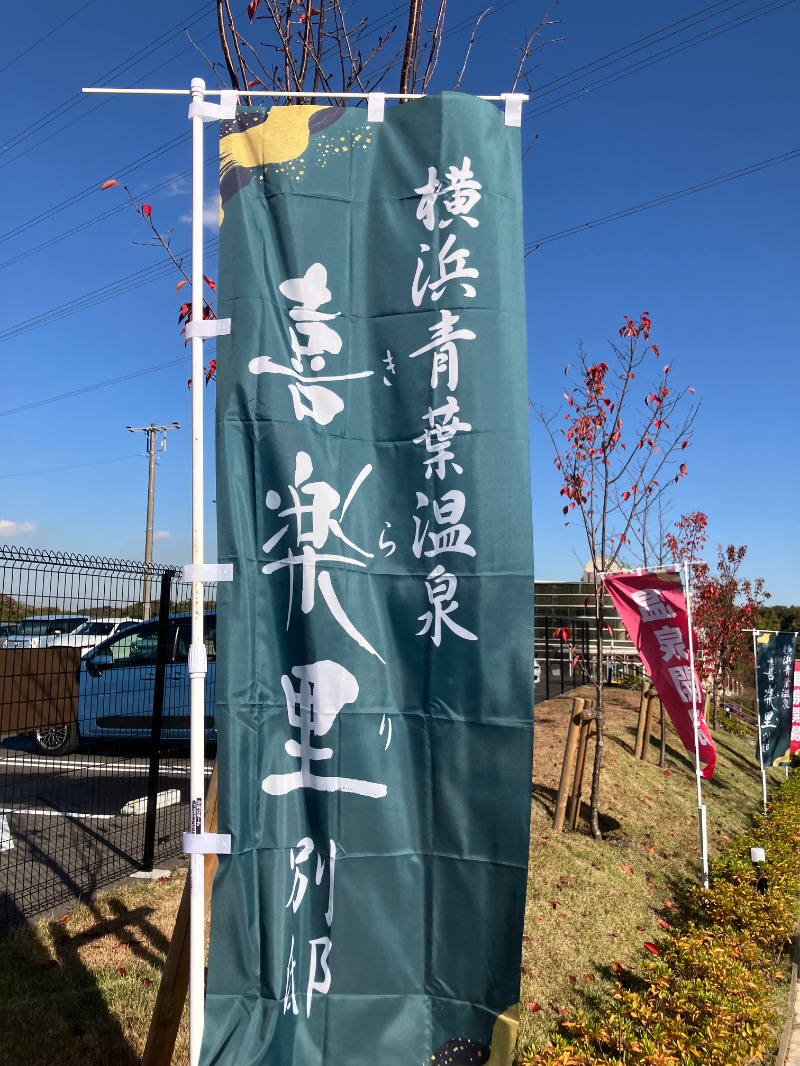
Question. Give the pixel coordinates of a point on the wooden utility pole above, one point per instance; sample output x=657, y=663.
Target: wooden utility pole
x=152, y=430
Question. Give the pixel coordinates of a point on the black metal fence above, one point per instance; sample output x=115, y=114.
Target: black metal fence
x=94, y=720
x=566, y=657
x=563, y=653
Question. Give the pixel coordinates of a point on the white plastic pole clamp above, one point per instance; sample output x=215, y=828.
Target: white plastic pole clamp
x=514, y=102
x=197, y=661
x=206, y=843
x=224, y=110
x=207, y=572
x=208, y=327
x=376, y=105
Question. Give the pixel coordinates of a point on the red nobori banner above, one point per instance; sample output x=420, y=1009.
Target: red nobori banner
x=653, y=610
x=794, y=744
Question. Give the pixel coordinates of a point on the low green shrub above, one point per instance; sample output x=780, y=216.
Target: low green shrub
x=734, y=726
x=707, y=998
x=633, y=681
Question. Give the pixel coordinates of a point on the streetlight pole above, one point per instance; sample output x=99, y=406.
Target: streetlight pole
x=152, y=431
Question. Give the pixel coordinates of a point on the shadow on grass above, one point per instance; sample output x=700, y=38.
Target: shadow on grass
x=55, y=1009
x=52, y=1011
x=545, y=797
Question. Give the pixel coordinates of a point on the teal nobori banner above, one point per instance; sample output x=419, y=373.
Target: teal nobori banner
x=775, y=654
x=374, y=684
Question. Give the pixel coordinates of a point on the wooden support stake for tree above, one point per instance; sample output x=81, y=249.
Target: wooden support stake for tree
x=587, y=717
x=662, y=756
x=566, y=766
x=648, y=724
x=637, y=747
x=175, y=980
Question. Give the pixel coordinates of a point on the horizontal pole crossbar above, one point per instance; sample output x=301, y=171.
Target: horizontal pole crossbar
x=281, y=95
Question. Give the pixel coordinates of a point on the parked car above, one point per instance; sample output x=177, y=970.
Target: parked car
x=89, y=634
x=6, y=630
x=41, y=630
x=116, y=682
x=537, y=672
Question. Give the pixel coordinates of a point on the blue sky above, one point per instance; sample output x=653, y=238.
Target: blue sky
x=717, y=270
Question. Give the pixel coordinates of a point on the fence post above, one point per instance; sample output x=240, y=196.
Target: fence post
x=149, y=850
x=561, y=661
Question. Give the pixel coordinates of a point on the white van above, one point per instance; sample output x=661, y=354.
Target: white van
x=91, y=633
x=42, y=630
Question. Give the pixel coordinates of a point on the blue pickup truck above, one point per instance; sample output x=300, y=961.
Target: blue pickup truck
x=115, y=695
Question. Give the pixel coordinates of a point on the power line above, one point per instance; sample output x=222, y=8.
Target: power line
x=559, y=83
x=91, y=190
x=667, y=53
x=594, y=64
x=102, y=384
x=531, y=246
x=50, y=33
x=71, y=102
x=73, y=466
x=125, y=206
x=106, y=292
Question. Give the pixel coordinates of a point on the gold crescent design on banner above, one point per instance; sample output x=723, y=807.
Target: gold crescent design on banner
x=282, y=137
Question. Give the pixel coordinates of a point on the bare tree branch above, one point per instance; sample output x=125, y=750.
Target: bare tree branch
x=527, y=50
x=435, y=45
x=460, y=76
x=210, y=62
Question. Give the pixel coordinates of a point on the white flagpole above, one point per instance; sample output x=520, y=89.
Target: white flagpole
x=756, y=634
x=197, y=655
x=701, y=809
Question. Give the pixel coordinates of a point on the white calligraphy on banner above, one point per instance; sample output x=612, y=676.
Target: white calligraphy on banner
x=325, y=688
x=323, y=501
x=459, y=193
x=312, y=338
x=319, y=972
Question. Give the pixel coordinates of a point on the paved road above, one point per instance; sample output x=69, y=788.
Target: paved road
x=64, y=820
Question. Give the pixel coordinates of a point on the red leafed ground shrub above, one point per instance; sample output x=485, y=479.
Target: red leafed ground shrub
x=707, y=999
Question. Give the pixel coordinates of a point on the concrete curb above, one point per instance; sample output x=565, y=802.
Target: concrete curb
x=788, y=1025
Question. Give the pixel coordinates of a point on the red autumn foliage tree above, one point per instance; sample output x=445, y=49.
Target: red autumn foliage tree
x=725, y=606
x=619, y=451
x=162, y=240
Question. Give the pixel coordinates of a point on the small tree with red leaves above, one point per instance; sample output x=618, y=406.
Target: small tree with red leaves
x=618, y=449
x=725, y=606
x=162, y=240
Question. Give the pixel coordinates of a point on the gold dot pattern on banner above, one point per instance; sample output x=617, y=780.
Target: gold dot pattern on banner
x=322, y=149
x=461, y=1052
